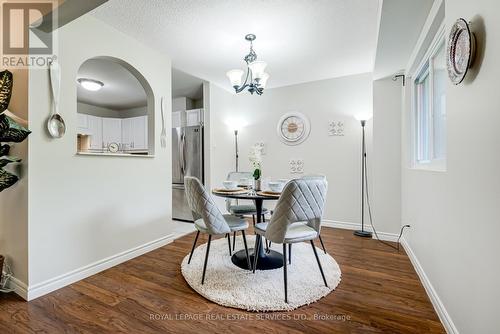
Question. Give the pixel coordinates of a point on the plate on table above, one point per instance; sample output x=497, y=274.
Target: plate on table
x=269, y=193
x=230, y=191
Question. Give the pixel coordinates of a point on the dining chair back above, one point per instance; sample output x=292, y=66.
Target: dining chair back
x=203, y=206
x=313, y=177
x=302, y=200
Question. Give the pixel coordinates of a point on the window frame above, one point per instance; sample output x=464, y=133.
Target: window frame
x=425, y=67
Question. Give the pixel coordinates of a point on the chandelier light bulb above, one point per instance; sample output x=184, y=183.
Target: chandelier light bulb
x=235, y=77
x=257, y=68
x=263, y=80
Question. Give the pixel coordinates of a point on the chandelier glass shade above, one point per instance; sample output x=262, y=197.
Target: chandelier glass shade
x=256, y=77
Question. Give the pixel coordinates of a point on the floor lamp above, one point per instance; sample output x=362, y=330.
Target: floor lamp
x=362, y=232
x=237, y=153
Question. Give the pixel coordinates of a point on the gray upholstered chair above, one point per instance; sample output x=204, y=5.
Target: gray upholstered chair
x=297, y=218
x=314, y=177
x=307, y=177
x=238, y=207
x=209, y=219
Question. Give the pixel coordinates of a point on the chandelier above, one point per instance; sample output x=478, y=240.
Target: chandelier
x=256, y=78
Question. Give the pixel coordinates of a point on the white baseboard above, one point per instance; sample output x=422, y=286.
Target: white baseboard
x=443, y=315
x=20, y=288
x=43, y=288
x=356, y=226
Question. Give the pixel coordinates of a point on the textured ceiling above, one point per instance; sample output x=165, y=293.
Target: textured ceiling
x=301, y=40
x=121, y=88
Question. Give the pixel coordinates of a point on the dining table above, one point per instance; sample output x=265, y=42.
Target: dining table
x=268, y=259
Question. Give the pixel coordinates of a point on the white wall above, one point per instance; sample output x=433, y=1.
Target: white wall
x=133, y=112
x=83, y=209
x=386, y=157
x=455, y=214
x=88, y=109
x=337, y=157
x=182, y=103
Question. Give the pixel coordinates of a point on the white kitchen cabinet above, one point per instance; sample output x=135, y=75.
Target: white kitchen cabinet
x=139, y=133
x=95, y=132
x=111, y=131
x=83, y=124
x=135, y=133
x=127, y=136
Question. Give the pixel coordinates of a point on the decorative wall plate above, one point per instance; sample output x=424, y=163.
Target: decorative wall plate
x=293, y=128
x=460, y=51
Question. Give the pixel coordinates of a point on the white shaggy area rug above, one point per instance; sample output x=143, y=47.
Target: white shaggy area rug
x=229, y=285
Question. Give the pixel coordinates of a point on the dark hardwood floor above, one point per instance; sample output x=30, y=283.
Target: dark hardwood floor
x=379, y=293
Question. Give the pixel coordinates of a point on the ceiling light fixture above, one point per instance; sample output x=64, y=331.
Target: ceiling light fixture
x=90, y=84
x=256, y=77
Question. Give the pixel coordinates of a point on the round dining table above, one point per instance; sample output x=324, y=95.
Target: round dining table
x=267, y=259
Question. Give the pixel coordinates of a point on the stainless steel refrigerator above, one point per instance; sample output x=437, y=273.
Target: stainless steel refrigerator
x=187, y=160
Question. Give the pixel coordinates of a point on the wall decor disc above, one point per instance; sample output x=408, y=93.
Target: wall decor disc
x=460, y=51
x=293, y=128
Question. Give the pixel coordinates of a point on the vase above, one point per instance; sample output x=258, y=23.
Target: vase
x=257, y=185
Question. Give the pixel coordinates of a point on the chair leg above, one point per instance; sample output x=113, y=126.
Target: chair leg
x=289, y=253
x=267, y=246
x=234, y=240
x=263, y=218
x=256, y=252
x=229, y=242
x=246, y=249
x=206, y=259
x=319, y=263
x=253, y=219
x=322, y=244
x=194, y=245
x=284, y=273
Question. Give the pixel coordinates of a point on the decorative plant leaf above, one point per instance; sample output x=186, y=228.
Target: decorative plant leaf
x=8, y=160
x=256, y=174
x=4, y=150
x=6, y=82
x=7, y=179
x=10, y=131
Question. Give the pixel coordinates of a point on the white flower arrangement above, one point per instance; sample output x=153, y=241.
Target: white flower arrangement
x=255, y=158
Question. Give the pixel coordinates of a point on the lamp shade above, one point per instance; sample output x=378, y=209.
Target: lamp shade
x=235, y=77
x=263, y=80
x=257, y=68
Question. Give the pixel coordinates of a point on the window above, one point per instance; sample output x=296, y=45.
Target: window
x=429, y=116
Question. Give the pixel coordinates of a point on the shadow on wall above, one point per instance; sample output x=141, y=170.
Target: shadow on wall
x=479, y=30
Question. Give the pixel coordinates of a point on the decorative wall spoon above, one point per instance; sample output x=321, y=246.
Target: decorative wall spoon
x=55, y=123
x=163, y=136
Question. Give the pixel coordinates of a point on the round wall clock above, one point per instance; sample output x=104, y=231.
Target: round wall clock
x=460, y=51
x=113, y=147
x=293, y=128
